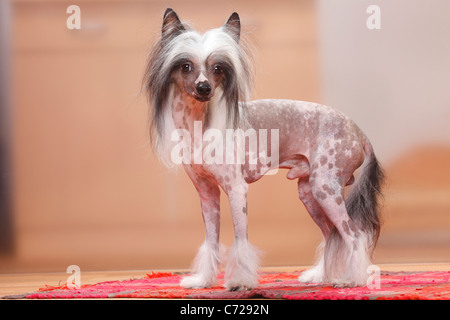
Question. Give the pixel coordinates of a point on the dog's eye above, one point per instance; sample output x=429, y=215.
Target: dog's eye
x=186, y=67
x=218, y=70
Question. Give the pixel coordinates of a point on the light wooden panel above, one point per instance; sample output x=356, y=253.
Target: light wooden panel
x=88, y=190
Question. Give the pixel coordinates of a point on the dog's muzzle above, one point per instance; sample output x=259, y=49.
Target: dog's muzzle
x=203, y=91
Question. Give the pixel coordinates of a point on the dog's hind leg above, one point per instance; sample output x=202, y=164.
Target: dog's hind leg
x=316, y=274
x=345, y=256
x=242, y=261
x=207, y=261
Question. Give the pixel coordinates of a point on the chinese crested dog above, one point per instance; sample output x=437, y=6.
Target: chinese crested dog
x=201, y=84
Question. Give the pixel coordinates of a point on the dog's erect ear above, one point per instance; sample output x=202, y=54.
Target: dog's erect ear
x=171, y=24
x=233, y=26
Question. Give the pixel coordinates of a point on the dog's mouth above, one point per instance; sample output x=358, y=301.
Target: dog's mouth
x=205, y=97
x=202, y=99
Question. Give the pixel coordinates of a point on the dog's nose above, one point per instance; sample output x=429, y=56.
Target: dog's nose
x=203, y=88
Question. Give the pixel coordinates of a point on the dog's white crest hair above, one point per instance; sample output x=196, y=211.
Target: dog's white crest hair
x=177, y=42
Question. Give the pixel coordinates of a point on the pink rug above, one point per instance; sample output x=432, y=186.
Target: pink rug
x=434, y=285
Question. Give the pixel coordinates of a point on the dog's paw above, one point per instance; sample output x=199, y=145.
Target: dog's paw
x=313, y=275
x=196, y=281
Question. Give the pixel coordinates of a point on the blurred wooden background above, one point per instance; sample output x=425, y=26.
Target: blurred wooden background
x=88, y=191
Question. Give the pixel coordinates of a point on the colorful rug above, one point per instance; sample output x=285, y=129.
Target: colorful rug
x=273, y=285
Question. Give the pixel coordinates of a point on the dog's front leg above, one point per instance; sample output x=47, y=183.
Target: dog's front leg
x=243, y=261
x=207, y=261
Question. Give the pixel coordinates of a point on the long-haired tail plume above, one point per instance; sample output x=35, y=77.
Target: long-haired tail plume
x=363, y=203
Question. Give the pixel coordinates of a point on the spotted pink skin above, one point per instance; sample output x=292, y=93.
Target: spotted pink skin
x=320, y=146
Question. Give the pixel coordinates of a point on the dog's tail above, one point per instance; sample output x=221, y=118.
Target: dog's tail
x=363, y=203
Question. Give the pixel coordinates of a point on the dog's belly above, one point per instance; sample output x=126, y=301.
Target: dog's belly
x=303, y=129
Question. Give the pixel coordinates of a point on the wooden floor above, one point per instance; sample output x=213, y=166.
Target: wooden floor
x=12, y=284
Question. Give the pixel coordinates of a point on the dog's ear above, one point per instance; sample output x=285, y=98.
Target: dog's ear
x=233, y=26
x=171, y=24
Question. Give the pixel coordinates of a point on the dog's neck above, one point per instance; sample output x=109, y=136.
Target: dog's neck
x=186, y=110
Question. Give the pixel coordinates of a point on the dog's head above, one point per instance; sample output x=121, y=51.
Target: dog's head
x=201, y=63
